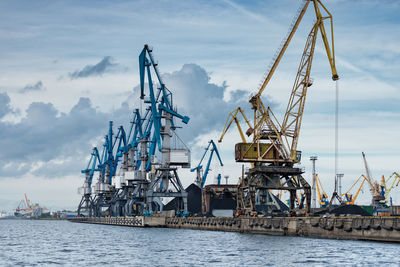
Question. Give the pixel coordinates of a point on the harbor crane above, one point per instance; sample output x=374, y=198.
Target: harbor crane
x=350, y=199
x=201, y=176
x=104, y=189
x=377, y=191
x=322, y=196
x=165, y=181
x=273, y=151
x=86, y=205
x=118, y=199
x=131, y=180
x=395, y=177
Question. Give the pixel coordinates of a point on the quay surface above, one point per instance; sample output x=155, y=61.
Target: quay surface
x=385, y=229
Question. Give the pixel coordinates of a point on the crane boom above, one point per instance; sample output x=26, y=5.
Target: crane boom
x=27, y=202
x=369, y=177
x=282, y=50
x=396, y=177
x=232, y=117
x=294, y=112
x=201, y=178
x=330, y=53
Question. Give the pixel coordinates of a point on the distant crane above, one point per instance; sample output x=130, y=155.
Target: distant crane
x=322, y=196
x=350, y=199
x=201, y=176
x=86, y=204
x=396, y=178
x=378, y=192
x=27, y=202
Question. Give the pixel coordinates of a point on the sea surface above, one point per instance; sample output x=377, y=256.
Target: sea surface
x=52, y=243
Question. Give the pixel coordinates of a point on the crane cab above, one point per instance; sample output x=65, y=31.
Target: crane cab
x=250, y=152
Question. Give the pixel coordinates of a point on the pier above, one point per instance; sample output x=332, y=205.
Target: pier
x=385, y=229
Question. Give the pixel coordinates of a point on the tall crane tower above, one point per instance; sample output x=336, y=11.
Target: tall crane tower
x=273, y=151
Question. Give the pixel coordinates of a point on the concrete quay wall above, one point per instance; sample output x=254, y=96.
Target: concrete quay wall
x=385, y=229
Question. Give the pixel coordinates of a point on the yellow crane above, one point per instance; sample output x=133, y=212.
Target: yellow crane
x=322, y=196
x=273, y=150
x=281, y=139
x=377, y=192
x=348, y=198
x=396, y=178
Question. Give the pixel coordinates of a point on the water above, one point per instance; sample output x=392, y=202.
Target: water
x=49, y=243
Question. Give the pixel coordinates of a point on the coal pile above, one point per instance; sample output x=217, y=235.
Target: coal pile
x=193, y=200
x=344, y=210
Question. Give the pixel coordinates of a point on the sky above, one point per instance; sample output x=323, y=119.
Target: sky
x=68, y=67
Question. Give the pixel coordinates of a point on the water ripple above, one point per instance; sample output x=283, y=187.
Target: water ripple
x=44, y=243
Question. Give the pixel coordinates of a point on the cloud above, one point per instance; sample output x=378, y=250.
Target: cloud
x=245, y=11
x=104, y=66
x=32, y=87
x=239, y=95
x=52, y=144
x=203, y=101
x=5, y=107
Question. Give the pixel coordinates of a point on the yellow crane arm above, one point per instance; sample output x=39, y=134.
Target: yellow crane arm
x=330, y=53
x=396, y=177
x=232, y=117
x=294, y=112
x=359, y=189
x=319, y=189
x=283, y=49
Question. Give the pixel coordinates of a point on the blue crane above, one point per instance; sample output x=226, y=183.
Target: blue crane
x=158, y=101
x=135, y=131
x=160, y=104
x=201, y=178
x=110, y=154
x=86, y=204
x=121, y=148
x=92, y=166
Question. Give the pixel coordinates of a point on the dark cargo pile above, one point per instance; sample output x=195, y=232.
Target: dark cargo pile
x=193, y=200
x=344, y=210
